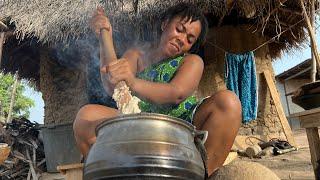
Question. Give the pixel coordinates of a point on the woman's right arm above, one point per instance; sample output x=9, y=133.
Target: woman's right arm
x=98, y=22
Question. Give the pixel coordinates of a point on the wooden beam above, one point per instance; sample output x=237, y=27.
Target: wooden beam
x=275, y=96
x=310, y=121
x=298, y=73
x=306, y=113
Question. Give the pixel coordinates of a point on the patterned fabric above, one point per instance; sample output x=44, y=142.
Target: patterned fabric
x=163, y=72
x=241, y=79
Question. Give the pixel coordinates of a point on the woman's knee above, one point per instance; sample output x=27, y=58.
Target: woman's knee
x=227, y=101
x=81, y=115
x=89, y=116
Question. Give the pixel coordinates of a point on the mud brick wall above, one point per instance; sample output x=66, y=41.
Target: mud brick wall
x=240, y=40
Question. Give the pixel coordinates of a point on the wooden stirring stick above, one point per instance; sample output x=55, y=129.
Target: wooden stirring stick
x=122, y=94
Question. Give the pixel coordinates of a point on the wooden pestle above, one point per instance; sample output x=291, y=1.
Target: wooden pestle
x=110, y=55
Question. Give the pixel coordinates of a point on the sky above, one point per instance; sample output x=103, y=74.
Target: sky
x=287, y=61
x=36, y=112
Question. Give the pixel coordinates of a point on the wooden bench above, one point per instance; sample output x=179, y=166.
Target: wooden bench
x=310, y=120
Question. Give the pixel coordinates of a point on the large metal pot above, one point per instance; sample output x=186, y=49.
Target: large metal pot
x=145, y=146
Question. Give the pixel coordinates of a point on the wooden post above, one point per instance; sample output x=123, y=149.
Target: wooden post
x=310, y=119
x=313, y=140
x=314, y=63
x=311, y=33
x=275, y=96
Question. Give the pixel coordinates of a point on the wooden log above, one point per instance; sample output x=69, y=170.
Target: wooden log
x=275, y=96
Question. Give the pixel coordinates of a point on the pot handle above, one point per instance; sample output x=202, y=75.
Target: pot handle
x=202, y=135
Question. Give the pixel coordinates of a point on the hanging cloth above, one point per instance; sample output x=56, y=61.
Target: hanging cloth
x=240, y=77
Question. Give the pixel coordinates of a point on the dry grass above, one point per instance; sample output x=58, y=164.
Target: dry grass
x=60, y=21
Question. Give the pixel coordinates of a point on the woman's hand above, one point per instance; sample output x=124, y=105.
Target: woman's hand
x=100, y=21
x=119, y=70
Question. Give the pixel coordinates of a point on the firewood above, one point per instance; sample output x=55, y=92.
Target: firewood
x=27, y=155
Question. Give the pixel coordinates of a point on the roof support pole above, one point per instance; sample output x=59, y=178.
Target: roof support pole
x=314, y=63
x=311, y=33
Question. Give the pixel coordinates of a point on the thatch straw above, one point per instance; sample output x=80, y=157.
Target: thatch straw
x=53, y=20
x=59, y=21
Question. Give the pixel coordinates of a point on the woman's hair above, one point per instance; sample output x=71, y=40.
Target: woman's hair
x=189, y=12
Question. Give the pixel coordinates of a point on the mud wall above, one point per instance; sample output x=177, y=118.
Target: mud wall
x=239, y=40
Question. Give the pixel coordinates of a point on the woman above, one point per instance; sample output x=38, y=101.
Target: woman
x=167, y=85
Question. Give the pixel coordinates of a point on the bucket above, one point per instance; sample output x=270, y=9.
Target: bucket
x=59, y=146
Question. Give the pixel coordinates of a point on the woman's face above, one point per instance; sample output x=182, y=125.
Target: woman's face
x=178, y=36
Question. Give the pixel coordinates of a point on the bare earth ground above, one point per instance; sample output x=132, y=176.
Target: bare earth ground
x=294, y=165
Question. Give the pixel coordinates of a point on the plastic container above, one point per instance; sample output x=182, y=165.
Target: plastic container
x=59, y=146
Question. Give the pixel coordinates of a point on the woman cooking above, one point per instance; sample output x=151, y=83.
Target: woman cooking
x=165, y=79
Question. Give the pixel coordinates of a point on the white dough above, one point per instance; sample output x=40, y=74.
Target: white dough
x=128, y=108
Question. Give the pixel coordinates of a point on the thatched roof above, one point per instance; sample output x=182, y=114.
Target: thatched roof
x=53, y=21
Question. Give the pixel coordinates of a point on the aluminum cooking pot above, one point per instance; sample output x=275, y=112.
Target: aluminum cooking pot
x=145, y=146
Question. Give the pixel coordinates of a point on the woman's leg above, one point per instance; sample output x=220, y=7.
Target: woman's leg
x=220, y=115
x=88, y=117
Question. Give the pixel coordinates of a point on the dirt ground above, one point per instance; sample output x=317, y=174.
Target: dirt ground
x=294, y=165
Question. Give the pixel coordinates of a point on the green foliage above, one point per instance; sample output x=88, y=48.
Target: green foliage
x=22, y=103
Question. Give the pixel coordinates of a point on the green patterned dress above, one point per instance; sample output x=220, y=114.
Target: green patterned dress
x=163, y=72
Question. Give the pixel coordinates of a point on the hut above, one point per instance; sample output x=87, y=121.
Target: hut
x=287, y=83
x=50, y=44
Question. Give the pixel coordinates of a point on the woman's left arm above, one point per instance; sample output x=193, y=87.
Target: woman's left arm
x=184, y=83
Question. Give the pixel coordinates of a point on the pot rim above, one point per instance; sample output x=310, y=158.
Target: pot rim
x=150, y=116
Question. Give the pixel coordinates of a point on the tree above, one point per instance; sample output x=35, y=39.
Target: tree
x=21, y=105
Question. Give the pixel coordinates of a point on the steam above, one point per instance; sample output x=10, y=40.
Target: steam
x=83, y=55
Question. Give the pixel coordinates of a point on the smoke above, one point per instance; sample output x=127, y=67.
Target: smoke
x=82, y=54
